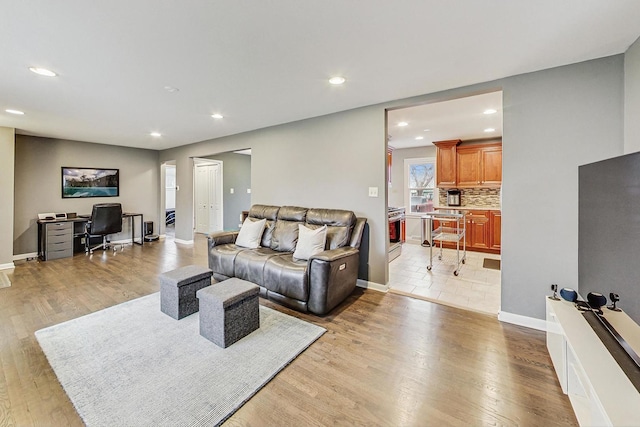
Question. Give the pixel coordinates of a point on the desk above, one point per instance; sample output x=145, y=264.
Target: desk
x=60, y=238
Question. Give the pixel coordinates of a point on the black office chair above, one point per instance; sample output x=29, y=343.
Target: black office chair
x=106, y=218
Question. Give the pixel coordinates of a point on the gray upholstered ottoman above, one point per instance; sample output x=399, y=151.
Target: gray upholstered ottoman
x=178, y=290
x=229, y=311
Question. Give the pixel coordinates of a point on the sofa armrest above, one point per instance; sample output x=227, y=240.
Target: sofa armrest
x=332, y=277
x=222, y=238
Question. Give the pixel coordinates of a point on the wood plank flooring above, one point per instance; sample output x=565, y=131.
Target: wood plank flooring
x=385, y=360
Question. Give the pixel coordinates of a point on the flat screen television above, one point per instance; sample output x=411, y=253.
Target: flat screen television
x=609, y=230
x=89, y=182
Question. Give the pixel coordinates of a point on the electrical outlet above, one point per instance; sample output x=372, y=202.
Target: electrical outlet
x=231, y=190
x=248, y=191
x=373, y=191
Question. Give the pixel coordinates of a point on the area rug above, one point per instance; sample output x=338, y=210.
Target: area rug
x=493, y=264
x=4, y=280
x=132, y=365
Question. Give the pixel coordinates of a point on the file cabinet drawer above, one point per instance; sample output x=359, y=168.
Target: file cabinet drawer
x=57, y=227
x=59, y=253
x=61, y=245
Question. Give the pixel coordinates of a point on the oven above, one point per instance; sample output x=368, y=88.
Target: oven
x=396, y=232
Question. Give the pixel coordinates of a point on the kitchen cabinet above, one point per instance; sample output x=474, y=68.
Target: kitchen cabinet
x=479, y=166
x=478, y=227
x=495, y=219
x=468, y=166
x=446, y=162
x=483, y=230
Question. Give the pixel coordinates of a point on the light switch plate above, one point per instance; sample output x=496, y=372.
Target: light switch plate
x=231, y=190
x=373, y=191
x=248, y=191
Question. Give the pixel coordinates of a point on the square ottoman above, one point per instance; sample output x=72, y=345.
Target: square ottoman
x=229, y=311
x=178, y=290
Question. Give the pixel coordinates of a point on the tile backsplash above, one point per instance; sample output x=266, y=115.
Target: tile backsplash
x=476, y=197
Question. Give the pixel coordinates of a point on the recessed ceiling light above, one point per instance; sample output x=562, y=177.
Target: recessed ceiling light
x=155, y=134
x=427, y=130
x=490, y=111
x=217, y=116
x=402, y=124
x=419, y=137
x=489, y=130
x=43, y=71
x=171, y=89
x=16, y=112
x=337, y=80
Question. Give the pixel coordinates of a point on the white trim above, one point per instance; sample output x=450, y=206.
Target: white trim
x=372, y=285
x=517, y=319
x=25, y=256
x=7, y=266
x=183, y=242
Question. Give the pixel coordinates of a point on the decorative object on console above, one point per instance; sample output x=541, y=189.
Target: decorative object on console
x=569, y=294
x=86, y=182
x=614, y=299
x=596, y=300
x=554, y=288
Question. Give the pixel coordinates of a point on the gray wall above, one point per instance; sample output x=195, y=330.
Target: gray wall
x=236, y=174
x=7, y=147
x=38, y=183
x=554, y=120
x=632, y=98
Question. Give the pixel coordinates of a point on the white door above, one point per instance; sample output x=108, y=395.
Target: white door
x=208, y=197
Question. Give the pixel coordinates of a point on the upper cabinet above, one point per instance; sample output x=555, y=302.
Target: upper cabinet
x=446, y=163
x=478, y=165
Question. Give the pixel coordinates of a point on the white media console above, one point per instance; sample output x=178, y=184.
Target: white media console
x=600, y=392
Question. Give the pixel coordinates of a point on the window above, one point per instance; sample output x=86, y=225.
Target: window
x=420, y=180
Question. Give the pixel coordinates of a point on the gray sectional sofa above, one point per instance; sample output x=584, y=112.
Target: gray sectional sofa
x=316, y=285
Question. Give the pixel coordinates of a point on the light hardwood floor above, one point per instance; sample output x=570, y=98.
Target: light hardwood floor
x=385, y=360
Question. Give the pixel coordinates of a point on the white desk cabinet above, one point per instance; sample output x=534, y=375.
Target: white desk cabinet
x=601, y=394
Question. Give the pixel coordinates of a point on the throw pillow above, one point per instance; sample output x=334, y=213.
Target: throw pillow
x=310, y=242
x=251, y=233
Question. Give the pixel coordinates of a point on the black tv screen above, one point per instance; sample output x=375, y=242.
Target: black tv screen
x=88, y=182
x=609, y=230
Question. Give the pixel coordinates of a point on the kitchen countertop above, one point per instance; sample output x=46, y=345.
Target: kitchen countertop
x=483, y=208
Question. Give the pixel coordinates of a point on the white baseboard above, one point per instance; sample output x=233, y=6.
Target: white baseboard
x=372, y=285
x=517, y=319
x=7, y=266
x=25, y=256
x=183, y=242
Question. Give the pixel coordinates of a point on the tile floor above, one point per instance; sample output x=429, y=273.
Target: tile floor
x=475, y=288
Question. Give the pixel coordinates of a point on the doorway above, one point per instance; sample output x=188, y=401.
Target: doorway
x=170, y=200
x=474, y=120
x=208, y=185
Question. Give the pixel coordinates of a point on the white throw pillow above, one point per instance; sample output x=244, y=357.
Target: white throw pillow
x=310, y=242
x=251, y=233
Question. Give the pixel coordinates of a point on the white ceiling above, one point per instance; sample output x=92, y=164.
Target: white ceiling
x=263, y=63
x=461, y=118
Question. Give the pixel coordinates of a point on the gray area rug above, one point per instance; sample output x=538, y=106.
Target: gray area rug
x=132, y=365
x=4, y=280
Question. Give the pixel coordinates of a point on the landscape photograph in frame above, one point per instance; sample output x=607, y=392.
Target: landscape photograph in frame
x=87, y=182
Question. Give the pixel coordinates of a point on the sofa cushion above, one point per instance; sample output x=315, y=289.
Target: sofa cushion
x=287, y=276
x=310, y=241
x=285, y=233
x=270, y=213
x=339, y=224
x=250, y=234
x=222, y=258
x=249, y=264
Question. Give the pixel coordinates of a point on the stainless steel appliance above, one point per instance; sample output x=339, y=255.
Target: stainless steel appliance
x=453, y=197
x=396, y=232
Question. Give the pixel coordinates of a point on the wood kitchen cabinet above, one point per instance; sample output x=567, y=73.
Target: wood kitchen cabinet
x=483, y=230
x=446, y=162
x=478, y=227
x=479, y=166
x=495, y=219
